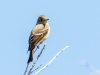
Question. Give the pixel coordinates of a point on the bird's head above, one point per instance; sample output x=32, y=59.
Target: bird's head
x=42, y=19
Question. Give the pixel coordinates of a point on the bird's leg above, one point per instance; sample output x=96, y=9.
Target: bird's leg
x=40, y=43
x=37, y=46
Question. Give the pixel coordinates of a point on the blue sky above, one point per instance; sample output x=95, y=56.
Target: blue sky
x=75, y=23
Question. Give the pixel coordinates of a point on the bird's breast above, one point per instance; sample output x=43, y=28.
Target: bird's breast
x=46, y=36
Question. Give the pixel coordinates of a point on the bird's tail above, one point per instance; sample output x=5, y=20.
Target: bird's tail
x=30, y=56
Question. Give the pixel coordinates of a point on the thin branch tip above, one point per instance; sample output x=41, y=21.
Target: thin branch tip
x=45, y=44
x=45, y=66
x=67, y=46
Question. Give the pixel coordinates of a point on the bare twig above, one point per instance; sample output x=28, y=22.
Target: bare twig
x=28, y=63
x=41, y=51
x=36, y=60
x=26, y=68
x=37, y=48
x=37, y=68
x=50, y=61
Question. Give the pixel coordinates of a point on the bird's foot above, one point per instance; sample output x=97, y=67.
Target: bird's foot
x=41, y=43
x=38, y=47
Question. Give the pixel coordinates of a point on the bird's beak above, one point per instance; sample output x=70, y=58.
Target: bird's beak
x=47, y=19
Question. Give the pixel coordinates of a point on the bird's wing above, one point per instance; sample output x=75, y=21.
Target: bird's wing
x=38, y=33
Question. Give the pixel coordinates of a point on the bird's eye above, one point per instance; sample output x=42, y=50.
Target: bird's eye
x=41, y=19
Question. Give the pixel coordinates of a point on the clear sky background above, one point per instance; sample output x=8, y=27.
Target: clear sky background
x=74, y=23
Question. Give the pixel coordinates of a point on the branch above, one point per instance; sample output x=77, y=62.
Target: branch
x=30, y=71
x=26, y=68
x=37, y=48
x=37, y=68
x=50, y=61
x=35, y=60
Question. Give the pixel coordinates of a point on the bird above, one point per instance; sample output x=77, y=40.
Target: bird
x=39, y=33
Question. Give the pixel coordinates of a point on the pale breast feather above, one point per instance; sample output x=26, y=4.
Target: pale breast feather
x=40, y=33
